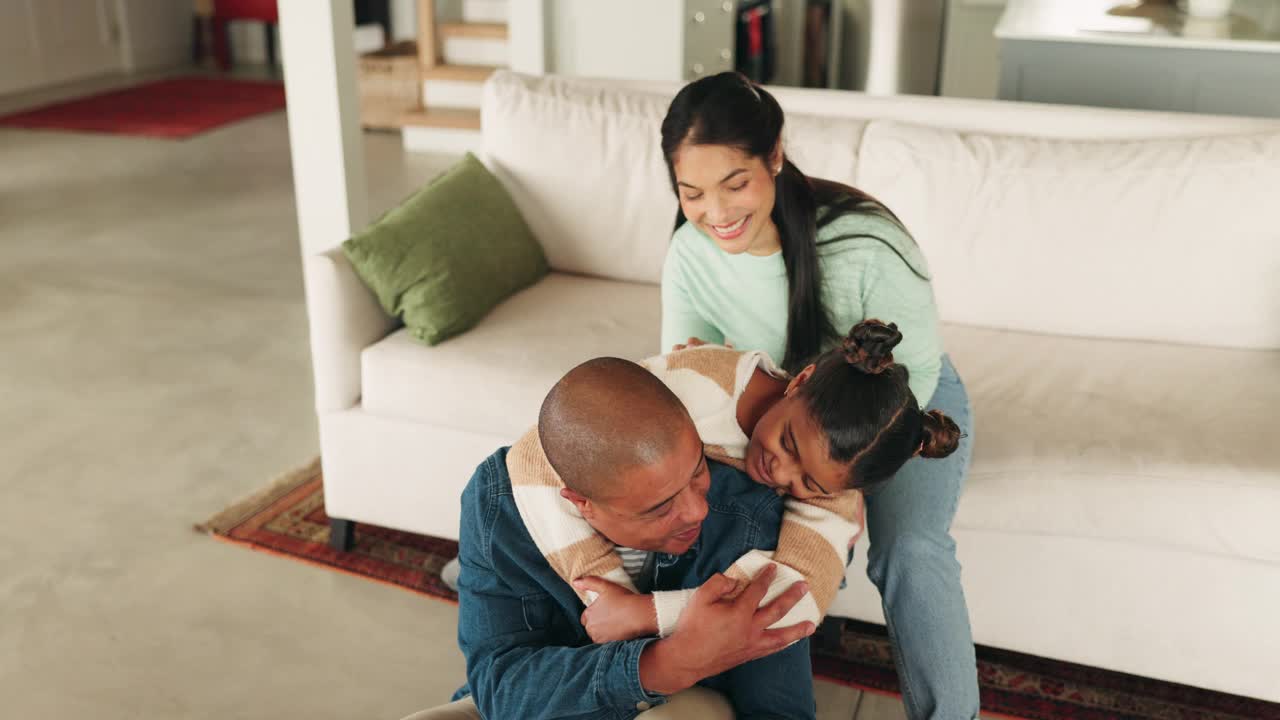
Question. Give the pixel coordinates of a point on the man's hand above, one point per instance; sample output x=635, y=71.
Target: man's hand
x=716, y=634
x=617, y=613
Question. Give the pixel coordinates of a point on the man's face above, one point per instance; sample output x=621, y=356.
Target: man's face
x=659, y=508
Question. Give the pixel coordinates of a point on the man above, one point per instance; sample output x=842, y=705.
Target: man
x=633, y=466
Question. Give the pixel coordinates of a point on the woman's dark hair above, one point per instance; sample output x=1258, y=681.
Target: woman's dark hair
x=860, y=398
x=728, y=109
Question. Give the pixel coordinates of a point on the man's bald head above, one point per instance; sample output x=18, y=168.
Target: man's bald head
x=605, y=417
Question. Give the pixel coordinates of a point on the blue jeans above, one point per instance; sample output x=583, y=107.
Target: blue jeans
x=912, y=560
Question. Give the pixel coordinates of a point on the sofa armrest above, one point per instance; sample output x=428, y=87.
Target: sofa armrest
x=345, y=318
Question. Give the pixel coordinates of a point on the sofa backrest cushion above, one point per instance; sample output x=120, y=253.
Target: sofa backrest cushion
x=1167, y=240
x=583, y=162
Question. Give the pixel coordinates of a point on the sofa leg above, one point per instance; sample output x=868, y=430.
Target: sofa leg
x=342, y=534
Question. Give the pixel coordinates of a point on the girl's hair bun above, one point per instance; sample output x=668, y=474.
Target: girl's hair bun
x=869, y=346
x=941, y=435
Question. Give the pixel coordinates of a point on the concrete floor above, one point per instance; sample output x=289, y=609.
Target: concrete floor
x=154, y=368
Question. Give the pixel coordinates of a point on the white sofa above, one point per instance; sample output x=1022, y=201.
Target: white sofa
x=1110, y=287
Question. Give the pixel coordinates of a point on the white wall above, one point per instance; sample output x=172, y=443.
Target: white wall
x=891, y=46
x=249, y=41
x=590, y=38
x=971, y=57
x=616, y=38
x=404, y=15
x=404, y=19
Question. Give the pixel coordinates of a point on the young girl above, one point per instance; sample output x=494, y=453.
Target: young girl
x=843, y=424
x=766, y=258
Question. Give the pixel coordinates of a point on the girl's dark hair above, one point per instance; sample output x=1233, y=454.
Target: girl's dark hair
x=860, y=398
x=728, y=109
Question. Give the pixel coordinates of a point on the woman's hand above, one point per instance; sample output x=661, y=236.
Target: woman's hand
x=617, y=613
x=693, y=342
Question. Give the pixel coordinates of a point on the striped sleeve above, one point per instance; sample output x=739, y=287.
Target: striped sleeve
x=571, y=546
x=815, y=540
x=813, y=545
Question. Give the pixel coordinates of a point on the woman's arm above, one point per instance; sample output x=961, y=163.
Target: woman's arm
x=680, y=317
x=892, y=293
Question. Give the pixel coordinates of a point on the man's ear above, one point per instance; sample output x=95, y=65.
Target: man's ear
x=579, y=501
x=801, y=378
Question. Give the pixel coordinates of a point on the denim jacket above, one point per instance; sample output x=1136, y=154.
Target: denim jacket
x=528, y=655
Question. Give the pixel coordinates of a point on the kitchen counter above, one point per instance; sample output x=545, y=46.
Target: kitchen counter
x=1251, y=27
x=1111, y=53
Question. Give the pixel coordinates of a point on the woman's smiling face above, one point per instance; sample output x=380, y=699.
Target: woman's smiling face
x=729, y=195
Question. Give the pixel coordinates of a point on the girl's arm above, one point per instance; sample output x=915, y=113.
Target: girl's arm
x=813, y=545
x=572, y=547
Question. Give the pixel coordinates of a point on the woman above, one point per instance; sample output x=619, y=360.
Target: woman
x=765, y=258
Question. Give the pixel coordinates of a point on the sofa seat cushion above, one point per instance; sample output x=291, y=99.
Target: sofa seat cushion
x=492, y=379
x=1158, y=444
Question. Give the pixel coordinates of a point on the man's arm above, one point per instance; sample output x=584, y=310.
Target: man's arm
x=513, y=667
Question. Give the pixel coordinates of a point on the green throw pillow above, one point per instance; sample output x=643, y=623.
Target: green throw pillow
x=450, y=253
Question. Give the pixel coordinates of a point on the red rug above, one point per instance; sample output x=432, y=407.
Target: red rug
x=288, y=519
x=176, y=108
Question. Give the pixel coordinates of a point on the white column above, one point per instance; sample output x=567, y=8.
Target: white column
x=527, y=37
x=324, y=121
x=884, y=48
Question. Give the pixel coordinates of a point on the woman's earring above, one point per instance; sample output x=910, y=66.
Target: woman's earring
x=777, y=171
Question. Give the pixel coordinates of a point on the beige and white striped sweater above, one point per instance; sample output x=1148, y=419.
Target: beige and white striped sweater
x=813, y=542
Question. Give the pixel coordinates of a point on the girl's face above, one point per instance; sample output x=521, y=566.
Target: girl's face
x=788, y=450
x=729, y=195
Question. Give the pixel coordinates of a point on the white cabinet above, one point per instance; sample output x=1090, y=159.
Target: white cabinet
x=47, y=42
x=1081, y=54
x=50, y=42
x=77, y=38
x=19, y=51
x=154, y=33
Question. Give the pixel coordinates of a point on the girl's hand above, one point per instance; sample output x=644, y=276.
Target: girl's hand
x=617, y=613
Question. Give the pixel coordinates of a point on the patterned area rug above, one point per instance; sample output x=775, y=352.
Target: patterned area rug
x=176, y=108
x=288, y=519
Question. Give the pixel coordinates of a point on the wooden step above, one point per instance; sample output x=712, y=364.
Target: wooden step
x=459, y=73
x=443, y=118
x=485, y=31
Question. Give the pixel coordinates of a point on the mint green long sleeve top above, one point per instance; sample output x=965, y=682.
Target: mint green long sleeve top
x=742, y=299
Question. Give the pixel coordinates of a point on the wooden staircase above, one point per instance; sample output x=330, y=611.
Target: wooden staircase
x=454, y=60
